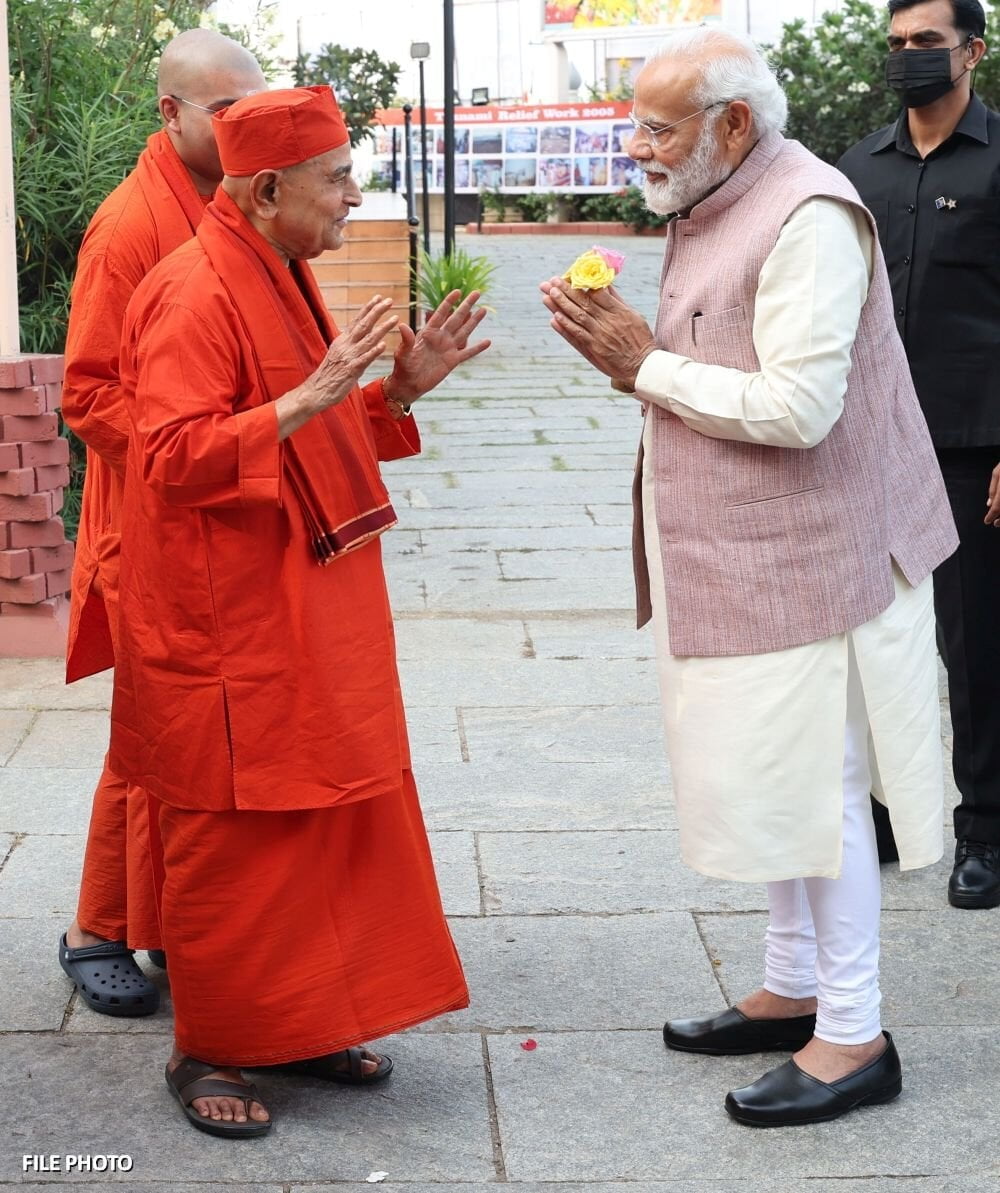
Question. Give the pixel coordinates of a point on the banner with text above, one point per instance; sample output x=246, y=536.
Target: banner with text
x=519, y=148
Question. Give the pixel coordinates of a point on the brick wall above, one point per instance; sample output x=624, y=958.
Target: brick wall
x=35, y=558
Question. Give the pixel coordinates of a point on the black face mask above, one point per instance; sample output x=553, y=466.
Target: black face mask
x=919, y=77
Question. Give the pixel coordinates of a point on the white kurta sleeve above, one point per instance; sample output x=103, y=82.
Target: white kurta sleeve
x=809, y=298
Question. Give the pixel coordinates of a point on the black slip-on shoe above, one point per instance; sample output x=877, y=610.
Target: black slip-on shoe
x=789, y=1097
x=975, y=880
x=733, y=1034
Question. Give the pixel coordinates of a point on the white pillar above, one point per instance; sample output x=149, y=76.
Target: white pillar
x=10, y=339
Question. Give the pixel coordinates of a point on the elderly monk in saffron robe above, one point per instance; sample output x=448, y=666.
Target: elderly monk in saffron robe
x=261, y=710
x=150, y=214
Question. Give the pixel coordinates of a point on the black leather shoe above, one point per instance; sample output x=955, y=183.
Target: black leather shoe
x=789, y=1097
x=975, y=880
x=733, y=1034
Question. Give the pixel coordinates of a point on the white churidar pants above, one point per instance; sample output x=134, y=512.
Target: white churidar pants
x=823, y=933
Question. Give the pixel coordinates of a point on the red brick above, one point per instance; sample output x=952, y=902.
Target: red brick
x=46, y=367
x=31, y=428
x=40, y=455
x=31, y=400
x=57, y=583
x=53, y=395
x=37, y=507
x=18, y=481
x=10, y=456
x=50, y=533
x=51, y=559
x=28, y=590
x=47, y=608
x=4, y=535
x=14, y=564
x=55, y=476
x=15, y=371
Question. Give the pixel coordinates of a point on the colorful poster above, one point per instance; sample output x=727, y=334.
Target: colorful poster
x=604, y=14
x=523, y=148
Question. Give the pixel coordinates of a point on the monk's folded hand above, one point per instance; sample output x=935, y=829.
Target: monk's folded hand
x=424, y=358
x=601, y=326
x=353, y=350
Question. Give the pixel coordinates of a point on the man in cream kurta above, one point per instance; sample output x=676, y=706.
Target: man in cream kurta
x=785, y=567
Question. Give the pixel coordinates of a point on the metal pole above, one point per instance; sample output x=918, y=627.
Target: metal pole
x=411, y=211
x=449, y=127
x=426, y=204
x=395, y=159
x=10, y=336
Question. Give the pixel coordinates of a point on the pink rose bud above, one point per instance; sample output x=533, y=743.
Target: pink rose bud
x=612, y=259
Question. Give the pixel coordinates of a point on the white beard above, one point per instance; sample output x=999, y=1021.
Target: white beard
x=701, y=172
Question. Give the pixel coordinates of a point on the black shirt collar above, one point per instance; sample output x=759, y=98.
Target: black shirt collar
x=972, y=125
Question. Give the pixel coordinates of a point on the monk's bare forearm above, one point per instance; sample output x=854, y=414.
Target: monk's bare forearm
x=340, y=370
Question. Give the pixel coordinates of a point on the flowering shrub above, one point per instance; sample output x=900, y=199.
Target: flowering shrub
x=833, y=75
x=626, y=205
x=83, y=102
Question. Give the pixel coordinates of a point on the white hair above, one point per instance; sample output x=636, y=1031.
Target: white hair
x=731, y=67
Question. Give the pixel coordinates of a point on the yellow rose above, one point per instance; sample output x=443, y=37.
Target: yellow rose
x=589, y=272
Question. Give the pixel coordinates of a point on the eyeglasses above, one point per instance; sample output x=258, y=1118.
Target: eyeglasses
x=654, y=133
x=217, y=107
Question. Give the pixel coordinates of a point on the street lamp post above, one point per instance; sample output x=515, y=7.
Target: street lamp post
x=449, y=127
x=421, y=50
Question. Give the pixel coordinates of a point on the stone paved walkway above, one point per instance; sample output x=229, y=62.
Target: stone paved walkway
x=537, y=748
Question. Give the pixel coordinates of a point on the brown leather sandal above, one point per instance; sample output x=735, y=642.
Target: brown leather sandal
x=189, y=1080
x=332, y=1067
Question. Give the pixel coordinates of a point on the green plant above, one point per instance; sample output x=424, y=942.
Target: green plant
x=834, y=76
x=83, y=102
x=362, y=80
x=494, y=200
x=626, y=205
x=536, y=208
x=438, y=276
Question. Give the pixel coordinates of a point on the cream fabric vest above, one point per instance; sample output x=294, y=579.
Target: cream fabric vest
x=766, y=548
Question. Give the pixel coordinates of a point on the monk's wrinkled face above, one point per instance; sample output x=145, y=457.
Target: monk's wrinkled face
x=188, y=111
x=683, y=148
x=312, y=203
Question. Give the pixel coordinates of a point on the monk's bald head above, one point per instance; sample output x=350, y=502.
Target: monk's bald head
x=201, y=71
x=195, y=56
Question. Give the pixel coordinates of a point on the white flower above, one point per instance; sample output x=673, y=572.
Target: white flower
x=825, y=110
x=833, y=60
x=206, y=21
x=859, y=88
x=165, y=30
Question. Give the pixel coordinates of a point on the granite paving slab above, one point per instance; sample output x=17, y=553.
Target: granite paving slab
x=938, y=968
x=14, y=726
x=70, y=1094
x=34, y=992
x=71, y=738
x=538, y=683
x=611, y=872
x=525, y=796
x=657, y=1115
x=47, y=800
x=571, y=973
x=41, y=878
x=579, y=734
x=454, y=856
x=41, y=683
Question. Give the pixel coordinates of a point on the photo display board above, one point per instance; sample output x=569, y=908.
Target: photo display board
x=519, y=148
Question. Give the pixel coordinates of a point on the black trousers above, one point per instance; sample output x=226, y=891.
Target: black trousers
x=967, y=605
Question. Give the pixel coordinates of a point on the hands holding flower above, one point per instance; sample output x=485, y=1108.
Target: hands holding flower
x=592, y=318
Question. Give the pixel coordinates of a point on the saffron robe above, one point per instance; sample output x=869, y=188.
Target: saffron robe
x=262, y=710
x=147, y=216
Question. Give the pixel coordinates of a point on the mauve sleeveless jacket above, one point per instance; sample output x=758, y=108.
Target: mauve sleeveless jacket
x=766, y=548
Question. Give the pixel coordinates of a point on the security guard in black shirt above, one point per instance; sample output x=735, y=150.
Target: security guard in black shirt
x=932, y=182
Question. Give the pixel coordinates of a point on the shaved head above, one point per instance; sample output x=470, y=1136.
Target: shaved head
x=201, y=72
x=196, y=54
